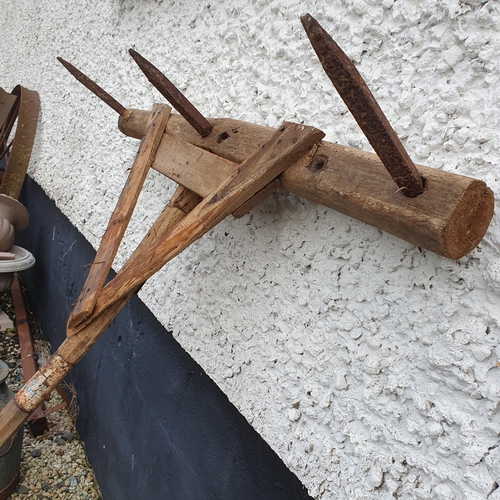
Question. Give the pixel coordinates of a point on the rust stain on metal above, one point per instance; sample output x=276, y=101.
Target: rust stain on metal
x=173, y=95
x=94, y=88
x=365, y=109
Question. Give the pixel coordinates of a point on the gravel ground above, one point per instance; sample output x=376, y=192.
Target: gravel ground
x=53, y=465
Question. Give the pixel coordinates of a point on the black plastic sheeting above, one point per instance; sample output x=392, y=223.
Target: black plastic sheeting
x=155, y=426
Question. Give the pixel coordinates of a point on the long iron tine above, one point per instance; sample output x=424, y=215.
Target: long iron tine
x=93, y=87
x=173, y=95
x=365, y=109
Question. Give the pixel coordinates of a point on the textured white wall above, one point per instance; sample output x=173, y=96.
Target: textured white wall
x=368, y=365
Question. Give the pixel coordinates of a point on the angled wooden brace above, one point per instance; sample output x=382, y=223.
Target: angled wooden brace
x=121, y=216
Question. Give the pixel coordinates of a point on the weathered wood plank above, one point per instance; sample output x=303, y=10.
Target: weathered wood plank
x=196, y=169
x=257, y=198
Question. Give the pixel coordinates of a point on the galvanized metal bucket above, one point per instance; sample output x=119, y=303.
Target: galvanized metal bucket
x=10, y=452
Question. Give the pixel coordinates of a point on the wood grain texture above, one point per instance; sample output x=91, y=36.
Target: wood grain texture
x=41, y=384
x=121, y=216
x=256, y=199
x=284, y=148
x=197, y=169
x=201, y=171
x=449, y=218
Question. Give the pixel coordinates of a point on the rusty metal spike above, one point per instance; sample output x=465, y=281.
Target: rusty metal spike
x=365, y=109
x=94, y=88
x=173, y=95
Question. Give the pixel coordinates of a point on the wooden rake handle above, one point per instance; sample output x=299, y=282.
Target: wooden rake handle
x=46, y=379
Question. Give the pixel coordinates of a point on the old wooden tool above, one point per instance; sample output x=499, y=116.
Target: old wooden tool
x=121, y=217
x=433, y=209
x=226, y=166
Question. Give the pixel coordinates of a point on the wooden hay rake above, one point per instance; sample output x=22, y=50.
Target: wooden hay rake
x=226, y=166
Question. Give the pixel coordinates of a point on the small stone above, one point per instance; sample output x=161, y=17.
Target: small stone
x=36, y=453
x=22, y=490
x=45, y=486
x=59, y=441
x=68, y=436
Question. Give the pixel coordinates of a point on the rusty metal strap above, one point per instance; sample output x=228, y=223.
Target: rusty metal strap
x=47, y=411
x=17, y=163
x=7, y=102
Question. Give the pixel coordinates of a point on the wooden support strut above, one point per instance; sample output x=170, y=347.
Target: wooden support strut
x=166, y=239
x=284, y=148
x=18, y=410
x=121, y=216
x=449, y=218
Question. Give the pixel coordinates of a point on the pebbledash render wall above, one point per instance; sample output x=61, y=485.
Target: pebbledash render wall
x=369, y=365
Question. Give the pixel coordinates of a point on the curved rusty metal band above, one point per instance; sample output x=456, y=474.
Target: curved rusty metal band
x=17, y=163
